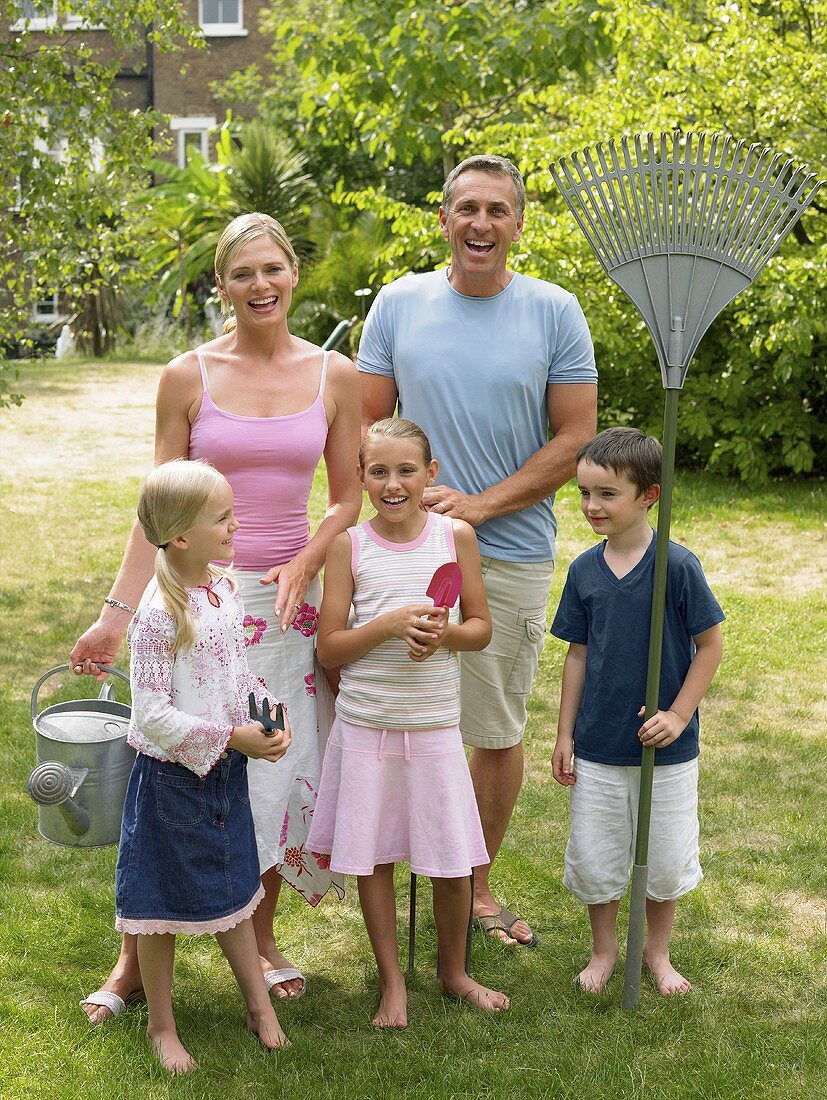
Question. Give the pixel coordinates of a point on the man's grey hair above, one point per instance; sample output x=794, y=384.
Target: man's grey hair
x=486, y=162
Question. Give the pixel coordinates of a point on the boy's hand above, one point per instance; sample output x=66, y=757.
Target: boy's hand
x=561, y=762
x=662, y=728
x=253, y=741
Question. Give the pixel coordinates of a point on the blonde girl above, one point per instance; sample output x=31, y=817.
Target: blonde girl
x=395, y=783
x=187, y=862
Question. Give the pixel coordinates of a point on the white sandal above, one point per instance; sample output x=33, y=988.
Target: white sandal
x=106, y=999
x=286, y=974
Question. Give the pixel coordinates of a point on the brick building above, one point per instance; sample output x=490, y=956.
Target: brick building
x=175, y=84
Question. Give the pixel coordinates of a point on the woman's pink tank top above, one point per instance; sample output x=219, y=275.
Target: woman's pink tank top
x=269, y=462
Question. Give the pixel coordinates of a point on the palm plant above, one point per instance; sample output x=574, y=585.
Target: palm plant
x=186, y=213
x=344, y=250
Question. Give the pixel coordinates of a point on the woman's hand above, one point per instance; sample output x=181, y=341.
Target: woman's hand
x=98, y=646
x=293, y=579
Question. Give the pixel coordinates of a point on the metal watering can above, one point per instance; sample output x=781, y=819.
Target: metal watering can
x=83, y=766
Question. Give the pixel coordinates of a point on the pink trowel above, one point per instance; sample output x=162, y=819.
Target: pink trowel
x=446, y=585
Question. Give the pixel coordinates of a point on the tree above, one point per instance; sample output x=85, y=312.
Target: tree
x=255, y=170
x=65, y=132
x=406, y=81
x=440, y=80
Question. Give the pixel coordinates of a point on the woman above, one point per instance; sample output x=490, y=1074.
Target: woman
x=262, y=406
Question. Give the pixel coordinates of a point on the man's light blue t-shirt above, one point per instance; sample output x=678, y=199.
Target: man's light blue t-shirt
x=472, y=372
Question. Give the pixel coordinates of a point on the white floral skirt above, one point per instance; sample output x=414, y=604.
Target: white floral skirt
x=283, y=795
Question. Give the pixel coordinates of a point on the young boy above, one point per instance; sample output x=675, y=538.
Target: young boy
x=604, y=615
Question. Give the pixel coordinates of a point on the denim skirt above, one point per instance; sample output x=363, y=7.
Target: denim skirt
x=187, y=860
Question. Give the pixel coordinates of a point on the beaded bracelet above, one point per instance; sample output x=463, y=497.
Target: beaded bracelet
x=123, y=606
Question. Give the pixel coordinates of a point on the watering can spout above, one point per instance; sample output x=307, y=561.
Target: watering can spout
x=54, y=784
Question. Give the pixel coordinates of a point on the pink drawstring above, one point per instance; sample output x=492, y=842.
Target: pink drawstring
x=405, y=740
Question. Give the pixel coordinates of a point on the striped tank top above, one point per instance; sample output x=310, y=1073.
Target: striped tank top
x=385, y=688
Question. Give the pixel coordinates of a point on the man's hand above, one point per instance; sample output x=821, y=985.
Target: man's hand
x=451, y=502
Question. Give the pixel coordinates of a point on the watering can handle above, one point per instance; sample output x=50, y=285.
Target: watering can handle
x=63, y=668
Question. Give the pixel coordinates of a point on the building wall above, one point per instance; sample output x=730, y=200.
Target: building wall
x=177, y=84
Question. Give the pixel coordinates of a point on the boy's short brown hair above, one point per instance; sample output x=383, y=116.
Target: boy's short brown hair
x=627, y=451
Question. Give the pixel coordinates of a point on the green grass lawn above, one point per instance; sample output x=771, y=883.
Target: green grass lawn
x=752, y=937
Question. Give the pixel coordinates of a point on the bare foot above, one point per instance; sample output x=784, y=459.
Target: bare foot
x=266, y=1026
x=596, y=975
x=170, y=1052
x=520, y=932
x=393, y=1005
x=668, y=981
x=465, y=989
x=274, y=960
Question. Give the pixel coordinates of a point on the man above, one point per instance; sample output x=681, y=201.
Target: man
x=486, y=360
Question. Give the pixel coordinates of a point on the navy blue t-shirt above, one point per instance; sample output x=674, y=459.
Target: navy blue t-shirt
x=610, y=616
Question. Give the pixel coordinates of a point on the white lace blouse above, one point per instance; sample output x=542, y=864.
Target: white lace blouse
x=184, y=706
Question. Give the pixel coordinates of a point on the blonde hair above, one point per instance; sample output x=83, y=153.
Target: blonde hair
x=240, y=231
x=395, y=428
x=171, y=500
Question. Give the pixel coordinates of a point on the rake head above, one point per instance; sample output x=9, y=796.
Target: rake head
x=683, y=224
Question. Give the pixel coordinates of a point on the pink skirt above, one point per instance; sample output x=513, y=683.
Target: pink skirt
x=390, y=796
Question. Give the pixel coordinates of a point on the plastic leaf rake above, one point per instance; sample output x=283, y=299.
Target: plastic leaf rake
x=683, y=223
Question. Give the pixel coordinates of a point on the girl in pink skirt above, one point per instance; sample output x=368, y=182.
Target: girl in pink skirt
x=395, y=783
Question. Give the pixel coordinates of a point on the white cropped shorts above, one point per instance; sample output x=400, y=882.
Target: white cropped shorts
x=603, y=806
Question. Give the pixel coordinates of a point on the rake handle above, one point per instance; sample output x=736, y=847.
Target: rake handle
x=637, y=904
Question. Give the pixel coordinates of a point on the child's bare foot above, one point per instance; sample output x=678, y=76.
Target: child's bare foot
x=266, y=1026
x=393, y=1005
x=595, y=977
x=170, y=1052
x=465, y=989
x=668, y=981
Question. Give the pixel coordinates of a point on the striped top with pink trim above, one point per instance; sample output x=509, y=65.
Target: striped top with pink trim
x=385, y=688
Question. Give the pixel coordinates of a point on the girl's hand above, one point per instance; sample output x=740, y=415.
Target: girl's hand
x=661, y=729
x=252, y=741
x=561, y=760
x=293, y=579
x=415, y=627
x=437, y=623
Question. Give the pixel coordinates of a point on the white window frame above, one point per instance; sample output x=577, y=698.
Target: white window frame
x=52, y=315
x=223, y=30
x=74, y=22
x=38, y=22
x=197, y=124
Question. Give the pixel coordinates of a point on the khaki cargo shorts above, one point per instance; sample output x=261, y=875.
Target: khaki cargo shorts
x=496, y=683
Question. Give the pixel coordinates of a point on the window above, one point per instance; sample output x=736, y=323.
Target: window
x=47, y=308
x=74, y=20
x=221, y=17
x=192, y=133
x=35, y=15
